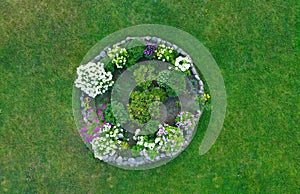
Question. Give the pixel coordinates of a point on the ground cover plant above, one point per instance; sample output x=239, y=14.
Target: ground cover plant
x=255, y=43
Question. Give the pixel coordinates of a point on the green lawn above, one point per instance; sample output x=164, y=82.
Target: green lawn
x=253, y=42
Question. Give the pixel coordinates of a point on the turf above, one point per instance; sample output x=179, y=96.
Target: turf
x=255, y=44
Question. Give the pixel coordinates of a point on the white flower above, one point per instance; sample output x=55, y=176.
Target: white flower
x=93, y=79
x=184, y=63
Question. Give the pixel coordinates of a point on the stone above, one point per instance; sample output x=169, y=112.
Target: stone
x=97, y=58
x=158, y=40
x=197, y=77
x=157, y=158
x=122, y=42
x=163, y=42
x=194, y=71
x=148, y=38
x=201, y=88
x=105, y=157
x=139, y=159
x=179, y=50
x=119, y=160
x=102, y=54
x=175, y=46
x=129, y=38
x=162, y=155
x=200, y=83
x=154, y=39
x=184, y=53
x=106, y=48
x=168, y=44
x=200, y=92
x=131, y=160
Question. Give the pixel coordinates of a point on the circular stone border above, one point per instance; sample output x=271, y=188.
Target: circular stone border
x=141, y=162
x=202, y=58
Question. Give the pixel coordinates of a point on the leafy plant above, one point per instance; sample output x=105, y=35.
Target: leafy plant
x=144, y=75
x=140, y=103
x=119, y=112
x=108, y=115
x=174, y=82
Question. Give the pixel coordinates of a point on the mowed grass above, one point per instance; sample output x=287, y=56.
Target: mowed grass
x=255, y=43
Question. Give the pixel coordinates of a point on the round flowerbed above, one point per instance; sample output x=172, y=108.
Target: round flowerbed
x=140, y=101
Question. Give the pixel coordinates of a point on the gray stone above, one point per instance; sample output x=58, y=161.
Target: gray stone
x=197, y=77
x=102, y=54
x=119, y=160
x=157, y=158
x=179, y=50
x=129, y=38
x=200, y=83
x=123, y=42
x=184, y=53
x=105, y=157
x=139, y=159
x=148, y=38
x=175, y=46
x=158, y=40
x=106, y=48
x=200, y=92
x=194, y=71
x=201, y=88
x=97, y=58
x=154, y=39
x=163, y=42
x=168, y=44
x=131, y=160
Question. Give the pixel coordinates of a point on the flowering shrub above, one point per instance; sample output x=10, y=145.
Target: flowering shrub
x=166, y=53
x=90, y=124
x=118, y=55
x=182, y=63
x=185, y=121
x=112, y=138
x=150, y=49
x=168, y=139
x=93, y=79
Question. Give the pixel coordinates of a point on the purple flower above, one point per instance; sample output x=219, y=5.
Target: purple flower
x=88, y=138
x=102, y=117
x=83, y=129
x=95, y=120
x=178, y=124
x=99, y=112
x=104, y=106
x=150, y=49
x=97, y=129
x=89, y=109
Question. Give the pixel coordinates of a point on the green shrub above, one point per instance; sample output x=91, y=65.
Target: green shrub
x=119, y=112
x=140, y=103
x=144, y=75
x=109, y=116
x=173, y=81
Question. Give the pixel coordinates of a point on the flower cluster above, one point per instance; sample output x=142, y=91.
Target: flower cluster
x=90, y=124
x=103, y=146
x=165, y=53
x=110, y=140
x=169, y=139
x=206, y=97
x=93, y=79
x=185, y=121
x=182, y=63
x=150, y=49
x=118, y=55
